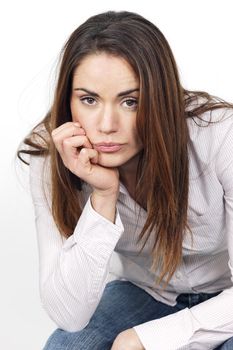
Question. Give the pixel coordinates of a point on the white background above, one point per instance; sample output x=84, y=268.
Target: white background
x=31, y=36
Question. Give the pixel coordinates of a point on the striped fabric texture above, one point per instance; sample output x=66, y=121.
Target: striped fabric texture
x=73, y=272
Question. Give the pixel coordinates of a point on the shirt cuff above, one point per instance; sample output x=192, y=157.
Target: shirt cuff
x=94, y=229
x=171, y=332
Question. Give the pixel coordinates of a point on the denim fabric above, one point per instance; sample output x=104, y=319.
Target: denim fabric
x=122, y=306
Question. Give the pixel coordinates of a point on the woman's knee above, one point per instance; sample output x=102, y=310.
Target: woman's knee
x=85, y=339
x=58, y=340
x=228, y=345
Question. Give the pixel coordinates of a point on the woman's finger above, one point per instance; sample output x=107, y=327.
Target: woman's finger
x=86, y=155
x=71, y=148
x=76, y=142
x=81, y=163
x=86, y=159
x=65, y=126
x=67, y=133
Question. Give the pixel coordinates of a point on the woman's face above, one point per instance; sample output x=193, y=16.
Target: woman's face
x=104, y=100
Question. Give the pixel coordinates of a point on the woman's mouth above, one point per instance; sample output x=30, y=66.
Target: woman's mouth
x=108, y=147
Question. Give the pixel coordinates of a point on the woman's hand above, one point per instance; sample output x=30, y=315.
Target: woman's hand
x=81, y=159
x=127, y=340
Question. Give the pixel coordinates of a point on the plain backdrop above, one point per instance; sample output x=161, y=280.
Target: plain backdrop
x=31, y=36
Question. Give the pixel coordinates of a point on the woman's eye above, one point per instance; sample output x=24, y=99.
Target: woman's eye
x=131, y=103
x=88, y=100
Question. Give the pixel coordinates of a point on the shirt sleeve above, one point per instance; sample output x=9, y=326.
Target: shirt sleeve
x=210, y=323
x=73, y=272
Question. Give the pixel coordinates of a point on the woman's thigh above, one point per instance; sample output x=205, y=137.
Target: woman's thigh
x=122, y=306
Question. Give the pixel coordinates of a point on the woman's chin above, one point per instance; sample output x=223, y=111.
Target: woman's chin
x=108, y=161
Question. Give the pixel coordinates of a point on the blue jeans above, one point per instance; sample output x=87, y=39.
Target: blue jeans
x=122, y=306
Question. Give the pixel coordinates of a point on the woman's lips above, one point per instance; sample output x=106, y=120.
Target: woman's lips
x=108, y=149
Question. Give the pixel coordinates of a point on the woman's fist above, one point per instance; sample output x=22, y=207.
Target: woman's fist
x=81, y=159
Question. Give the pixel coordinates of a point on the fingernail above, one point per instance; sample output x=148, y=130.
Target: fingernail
x=77, y=124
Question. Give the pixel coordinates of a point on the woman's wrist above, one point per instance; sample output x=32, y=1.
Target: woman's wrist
x=105, y=204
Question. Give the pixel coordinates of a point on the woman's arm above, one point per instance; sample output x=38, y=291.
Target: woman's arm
x=210, y=323
x=73, y=273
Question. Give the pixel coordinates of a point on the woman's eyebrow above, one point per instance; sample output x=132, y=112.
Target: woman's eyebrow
x=123, y=93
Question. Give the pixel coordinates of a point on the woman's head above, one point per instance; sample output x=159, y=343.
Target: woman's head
x=104, y=99
x=139, y=47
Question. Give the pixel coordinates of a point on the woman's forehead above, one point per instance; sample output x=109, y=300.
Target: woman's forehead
x=104, y=65
x=107, y=71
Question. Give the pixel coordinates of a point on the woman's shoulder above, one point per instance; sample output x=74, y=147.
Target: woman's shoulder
x=39, y=165
x=40, y=179
x=210, y=135
x=212, y=126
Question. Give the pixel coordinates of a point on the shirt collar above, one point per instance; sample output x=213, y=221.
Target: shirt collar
x=123, y=189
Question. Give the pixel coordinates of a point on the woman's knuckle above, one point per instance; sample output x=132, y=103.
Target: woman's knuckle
x=66, y=142
x=83, y=151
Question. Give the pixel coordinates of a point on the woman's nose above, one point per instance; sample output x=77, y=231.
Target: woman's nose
x=108, y=120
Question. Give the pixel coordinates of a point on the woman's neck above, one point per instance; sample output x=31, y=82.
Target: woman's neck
x=128, y=173
x=128, y=178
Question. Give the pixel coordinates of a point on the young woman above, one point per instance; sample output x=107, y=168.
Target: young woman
x=132, y=182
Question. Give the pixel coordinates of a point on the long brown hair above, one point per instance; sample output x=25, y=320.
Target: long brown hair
x=161, y=123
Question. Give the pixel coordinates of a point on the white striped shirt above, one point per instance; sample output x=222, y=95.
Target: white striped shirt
x=74, y=271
